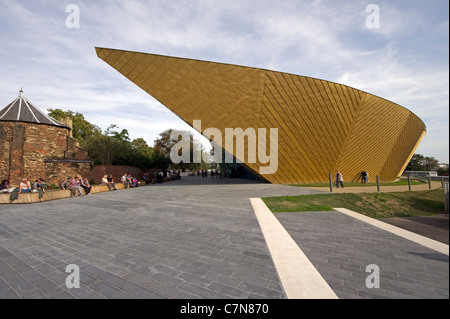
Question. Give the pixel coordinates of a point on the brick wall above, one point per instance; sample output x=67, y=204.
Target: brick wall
x=117, y=172
x=25, y=146
x=41, y=142
x=57, y=171
x=5, y=150
x=74, y=151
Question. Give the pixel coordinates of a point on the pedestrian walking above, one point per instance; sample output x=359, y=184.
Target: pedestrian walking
x=339, y=179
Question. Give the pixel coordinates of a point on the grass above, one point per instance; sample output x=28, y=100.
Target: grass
x=375, y=205
x=359, y=184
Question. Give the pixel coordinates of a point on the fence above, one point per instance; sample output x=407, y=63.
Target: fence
x=446, y=194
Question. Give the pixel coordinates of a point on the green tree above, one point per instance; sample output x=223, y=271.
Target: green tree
x=113, y=146
x=141, y=146
x=431, y=164
x=123, y=135
x=160, y=161
x=82, y=130
x=420, y=162
x=104, y=150
x=416, y=163
x=443, y=170
x=163, y=146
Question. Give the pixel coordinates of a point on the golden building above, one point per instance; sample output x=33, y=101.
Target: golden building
x=322, y=126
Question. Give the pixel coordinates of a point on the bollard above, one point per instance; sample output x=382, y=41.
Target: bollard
x=446, y=195
x=378, y=183
x=429, y=182
x=442, y=181
x=409, y=182
x=331, y=183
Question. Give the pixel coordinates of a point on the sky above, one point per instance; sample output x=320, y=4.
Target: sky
x=398, y=51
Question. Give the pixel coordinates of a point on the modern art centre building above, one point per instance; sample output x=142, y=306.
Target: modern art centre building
x=322, y=126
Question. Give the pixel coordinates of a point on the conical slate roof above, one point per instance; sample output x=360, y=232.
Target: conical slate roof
x=22, y=110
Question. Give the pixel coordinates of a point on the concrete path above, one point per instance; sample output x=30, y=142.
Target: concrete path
x=383, y=189
x=435, y=227
x=196, y=238
x=342, y=247
x=299, y=278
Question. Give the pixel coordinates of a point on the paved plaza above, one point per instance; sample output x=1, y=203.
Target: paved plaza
x=198, y=239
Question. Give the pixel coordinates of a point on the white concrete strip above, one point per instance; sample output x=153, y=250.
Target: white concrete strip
x=424, y=241
x=299, y=277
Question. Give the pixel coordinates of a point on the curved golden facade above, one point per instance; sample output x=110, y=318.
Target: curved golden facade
x=322, y=126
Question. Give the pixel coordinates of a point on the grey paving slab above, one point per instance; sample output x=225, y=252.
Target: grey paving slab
x=341, y=248
x=190, y=238
x=8, y=293
x=35, y=294
x=193, y=238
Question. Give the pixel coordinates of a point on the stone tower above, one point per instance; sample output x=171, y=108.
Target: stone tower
x=33, y=145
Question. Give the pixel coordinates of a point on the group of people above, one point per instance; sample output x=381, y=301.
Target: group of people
x=213, y=173
x=76, y=185
x=159, y=177
x=364, y=177
x=129, y=181
x=147, y=178
x=108, y=180
x=24, y=187
x=5, y=187
x=340, y=178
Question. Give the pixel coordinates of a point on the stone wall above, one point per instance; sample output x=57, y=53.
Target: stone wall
x=5, y=149
x=41, y=142
x=58, y=170
x=25, y=146
x=117, y=172
x=74, y=151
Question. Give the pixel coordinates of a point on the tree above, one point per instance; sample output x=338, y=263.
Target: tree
x=160, y=161
x=443, y=170
x=421, y=163
x=82, y=130
x=431, y=164
x=104, y=150
x=141, y=146
x=113, y=146
x=415, y=164
x=164, y=144
x=123, y=135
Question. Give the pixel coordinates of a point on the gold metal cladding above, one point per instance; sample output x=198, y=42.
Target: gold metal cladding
x=322, y=126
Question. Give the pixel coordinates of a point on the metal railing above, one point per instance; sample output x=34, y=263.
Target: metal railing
x=446, y=195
